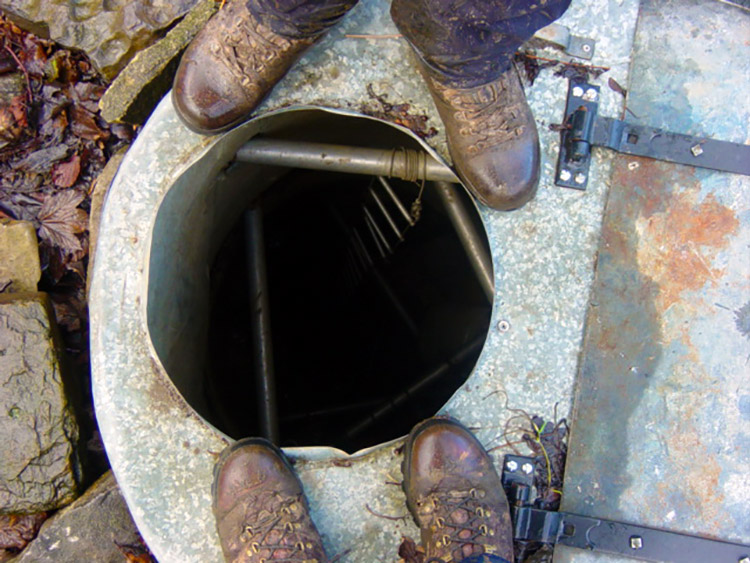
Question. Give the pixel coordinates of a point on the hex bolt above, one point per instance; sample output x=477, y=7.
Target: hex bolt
x=636, y=542
x=527, y=468
x=578, y=91
x=565, y=175
x=580, y=178
x=697, y=150
x=503, y=326
x=512, y=465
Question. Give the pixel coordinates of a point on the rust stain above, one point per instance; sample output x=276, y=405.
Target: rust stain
x=679, y=233
x=698, y=484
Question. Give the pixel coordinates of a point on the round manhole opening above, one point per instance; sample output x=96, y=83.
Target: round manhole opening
x=334, y=309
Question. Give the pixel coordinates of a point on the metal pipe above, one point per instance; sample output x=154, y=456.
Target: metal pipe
x=387, y=186
x=468, y=235
x=435, y=374
x=261, y=319
x=406, y=164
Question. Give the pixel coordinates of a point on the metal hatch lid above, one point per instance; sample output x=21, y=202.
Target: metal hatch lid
x=660, y=426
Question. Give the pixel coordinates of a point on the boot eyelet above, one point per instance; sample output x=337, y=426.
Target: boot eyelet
x=483, y=530
x=446, y=540
x=479, y=512
x=289, y=527
x=255, y=547
x=473, y=493
x=301, y=546
x=440, y=522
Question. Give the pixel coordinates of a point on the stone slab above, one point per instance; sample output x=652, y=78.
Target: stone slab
x=144, y=81
x=110, y=33
x=39, y=469
x=20, y=270
x=96, y=527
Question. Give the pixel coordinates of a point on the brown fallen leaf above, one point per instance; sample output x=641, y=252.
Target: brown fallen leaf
x=84, y=125
x=614, y=85
x=65, y=174
x=16, y=530
x=61, y=220
x=410, y=552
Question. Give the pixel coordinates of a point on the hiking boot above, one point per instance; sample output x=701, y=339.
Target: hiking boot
x=492, y=138
x=229, y=68
x=454, y=494
x=260, y=507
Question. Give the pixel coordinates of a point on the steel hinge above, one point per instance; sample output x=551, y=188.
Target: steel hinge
x=532, y=524
x=583, y=129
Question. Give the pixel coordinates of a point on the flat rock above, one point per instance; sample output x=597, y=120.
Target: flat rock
x=19, y=256
x=141, y=85
x=110, y=33
x=96, y=527
x=39, y=468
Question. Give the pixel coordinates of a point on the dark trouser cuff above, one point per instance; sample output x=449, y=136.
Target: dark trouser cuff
x=467, y=43
x=299, y=19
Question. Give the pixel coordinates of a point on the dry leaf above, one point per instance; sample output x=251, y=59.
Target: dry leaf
x=17, y=531
x=61, y=220
x=410, y=552
x=65, y=174
x=614, y=85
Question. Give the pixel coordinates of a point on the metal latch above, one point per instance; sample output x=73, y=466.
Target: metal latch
x=532, y=524
x=573, y=45
x=583, y=128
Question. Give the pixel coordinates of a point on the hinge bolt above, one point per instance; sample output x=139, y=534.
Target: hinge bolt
x=580, y=178
x=578, y=91
x=565, y=175
x=512, y=465
x=527, y=468
x=591, y=95
x=745, y=559
x=636, y=542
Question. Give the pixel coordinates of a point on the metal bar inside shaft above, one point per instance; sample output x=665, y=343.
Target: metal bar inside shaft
x=406, y=164
x=261, y=319
x=387, y=187
x=467, y=233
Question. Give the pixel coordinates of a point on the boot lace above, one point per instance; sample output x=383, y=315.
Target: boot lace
x=453, y=535
x=279, y=536
x=491, y=114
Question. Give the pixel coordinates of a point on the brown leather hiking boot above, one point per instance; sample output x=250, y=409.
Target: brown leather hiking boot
x=492, y=138
x=260, y=507
x=454, y=493
x=230, y=67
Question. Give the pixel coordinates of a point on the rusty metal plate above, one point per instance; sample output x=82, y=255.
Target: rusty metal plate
x=660, y=432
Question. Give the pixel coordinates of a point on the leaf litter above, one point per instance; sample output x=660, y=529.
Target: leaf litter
x=53, y=145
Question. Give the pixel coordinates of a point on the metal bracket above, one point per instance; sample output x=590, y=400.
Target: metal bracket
x=608, y=536
x=573, y=45
x=583, y=128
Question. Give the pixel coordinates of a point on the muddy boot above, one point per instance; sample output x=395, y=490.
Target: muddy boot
x=465, y=51
x=243, y=51
x=455, y=495
x=260, y=507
